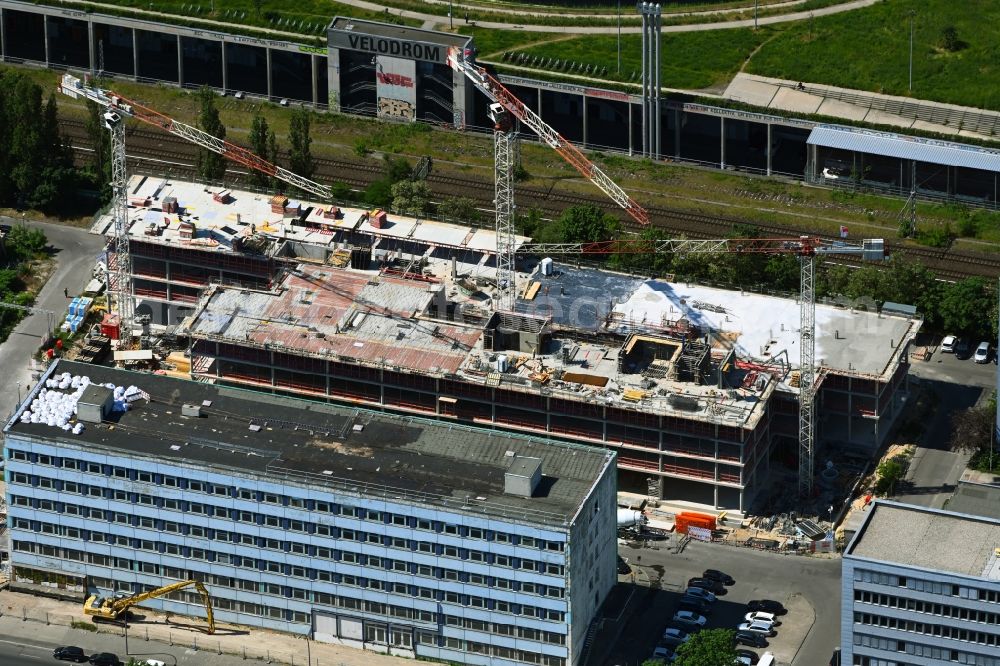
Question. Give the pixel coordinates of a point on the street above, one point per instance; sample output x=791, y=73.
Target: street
x=809, y=586
x=75, y=251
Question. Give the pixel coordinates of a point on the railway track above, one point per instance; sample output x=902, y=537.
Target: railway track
x=150, y=150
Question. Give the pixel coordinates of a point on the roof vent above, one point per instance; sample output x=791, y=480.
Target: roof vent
x=522, y=476
x=95, y=403
x=191, y=410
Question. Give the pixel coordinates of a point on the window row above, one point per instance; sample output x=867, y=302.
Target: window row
x=927, y=629
x=254, y=496
x=250, y=561
x=302, y=594
x=917, y=606
x=263, y=520
x=146, y=522
x=930, y=587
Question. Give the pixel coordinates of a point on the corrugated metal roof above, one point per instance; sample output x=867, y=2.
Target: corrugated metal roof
x=905, y=147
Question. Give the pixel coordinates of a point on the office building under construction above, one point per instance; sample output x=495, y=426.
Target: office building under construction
x=695, y=387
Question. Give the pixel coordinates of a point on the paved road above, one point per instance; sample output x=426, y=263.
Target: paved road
x=757, y=574
x=75, y=252
x=29, y=644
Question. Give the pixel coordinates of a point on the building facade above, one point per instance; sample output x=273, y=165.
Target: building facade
x=921, y=587
x=447, y=557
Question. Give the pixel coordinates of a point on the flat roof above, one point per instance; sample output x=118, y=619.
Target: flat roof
x=934, y=539
x=348, y=24
x=889, y=144
x=339, y=313
x=360, y=452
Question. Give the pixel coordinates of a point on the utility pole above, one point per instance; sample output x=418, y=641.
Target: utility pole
x=912, y=14
x=619, y=36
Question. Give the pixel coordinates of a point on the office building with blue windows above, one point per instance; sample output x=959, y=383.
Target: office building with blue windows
x=396, y=534
x=921, y=587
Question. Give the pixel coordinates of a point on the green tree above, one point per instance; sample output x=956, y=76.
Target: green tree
x=460, y=208
x=272, y=153
x=378, y=193
x=949, y=40
x=962, y=305
x=100, y=159
x=211, y=166
x=579, y=224
x=655, y=264
x=890, y=472
x=410, y=197
x=25, y=242
x=711, y=647
x=300, y=156
x=259, y=135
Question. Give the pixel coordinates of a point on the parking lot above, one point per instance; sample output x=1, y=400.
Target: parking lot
x=808, y=587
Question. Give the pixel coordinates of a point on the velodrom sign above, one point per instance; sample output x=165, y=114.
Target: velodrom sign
x=397, y=48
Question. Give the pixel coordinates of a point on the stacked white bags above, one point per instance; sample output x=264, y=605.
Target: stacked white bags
x=56, y=405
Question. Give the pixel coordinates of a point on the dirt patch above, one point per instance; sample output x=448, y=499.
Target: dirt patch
x=345, y=449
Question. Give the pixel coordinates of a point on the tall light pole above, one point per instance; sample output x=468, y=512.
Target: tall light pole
x=912, y=14
x=619, y=36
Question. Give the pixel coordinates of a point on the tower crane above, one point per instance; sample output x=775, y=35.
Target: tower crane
x=505, y=109
x=807, y=248
x=116, y=109
x=112, y=609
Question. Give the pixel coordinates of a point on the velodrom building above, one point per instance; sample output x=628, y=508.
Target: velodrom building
x=392, y=533
x=695, y=387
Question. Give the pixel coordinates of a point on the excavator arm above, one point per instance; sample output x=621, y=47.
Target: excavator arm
x=111, y=609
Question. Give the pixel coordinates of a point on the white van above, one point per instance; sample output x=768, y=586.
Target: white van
x=766, y=659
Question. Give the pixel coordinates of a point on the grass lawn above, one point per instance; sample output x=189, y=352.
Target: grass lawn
x=868, y=49
x=692, y=60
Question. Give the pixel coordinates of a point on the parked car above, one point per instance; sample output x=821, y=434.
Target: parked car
x=715, y=574
x=69, y=653
x=663, y=654
x=760, y=616
x=672, y=643
x=751, y=656
x=767, y=605
x=762, y=628
x=675, y=633
x=701, y=593
x=104, y=659
x=694, y=605
x=689, y=618
x=982, y=354
x=743, y=660
x=963, y=349
x=948, y=344
x=750, y=638
x=712, y=586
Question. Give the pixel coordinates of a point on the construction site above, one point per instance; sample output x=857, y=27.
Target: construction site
x=699, y=389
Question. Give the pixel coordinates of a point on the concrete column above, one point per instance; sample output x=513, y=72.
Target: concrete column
x=769, y=145
x=630, y=135
x=45, y=32
x=314, y=62
x=90, y=47
x=3, y=36
x=333, y=79
x=586, y=135
x=722, y=142
x=180, y=62
x=270, y=89
x=225, y=69
x=135, y=54
x=677, y=133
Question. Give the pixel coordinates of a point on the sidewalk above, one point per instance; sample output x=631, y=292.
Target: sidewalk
x=42, y=617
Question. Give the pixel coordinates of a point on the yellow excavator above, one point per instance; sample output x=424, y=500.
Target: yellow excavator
x=103, y=608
